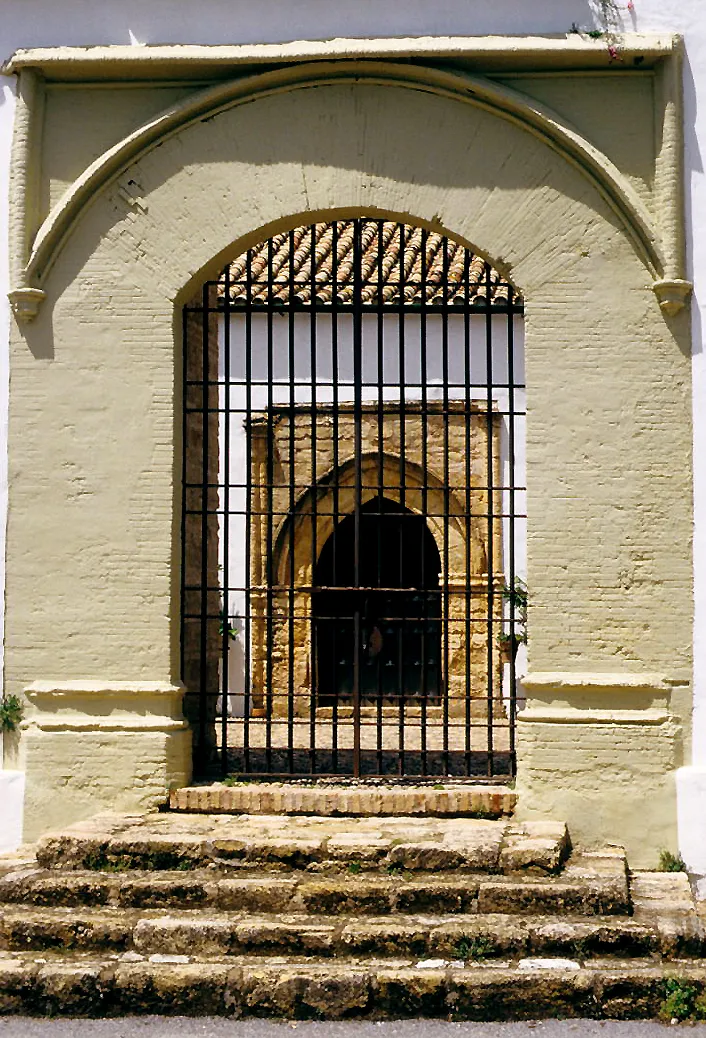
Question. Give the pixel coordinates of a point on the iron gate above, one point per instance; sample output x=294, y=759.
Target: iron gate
x=354, y=508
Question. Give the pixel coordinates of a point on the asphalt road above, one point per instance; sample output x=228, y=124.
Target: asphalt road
x=205, y=1027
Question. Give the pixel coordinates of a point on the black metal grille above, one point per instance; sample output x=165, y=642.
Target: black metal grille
x=354, y=508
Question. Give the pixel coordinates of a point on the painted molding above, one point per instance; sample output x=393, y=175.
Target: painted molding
x=25, y=302
x=105, y=706
x=592, y=682
x=501, y=101
x=570, y=50
x=90, y=687
x=572, y=715
x=672, y=294
x=668, y=190
x=24, y=219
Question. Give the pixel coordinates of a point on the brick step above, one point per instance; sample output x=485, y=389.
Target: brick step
x=591, y=884
x=459, y=799
x=314, y=989
x=189, y=841
x=470, y=937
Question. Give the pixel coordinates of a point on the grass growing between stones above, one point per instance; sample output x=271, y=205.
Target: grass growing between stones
x=669, y=862
x=682, y=1001
x=474, y=949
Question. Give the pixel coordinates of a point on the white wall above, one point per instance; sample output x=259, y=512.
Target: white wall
x=31, y=23
x=302, y=379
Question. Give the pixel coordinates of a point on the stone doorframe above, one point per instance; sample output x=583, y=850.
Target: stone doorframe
x=446, y=523
x=336, y=130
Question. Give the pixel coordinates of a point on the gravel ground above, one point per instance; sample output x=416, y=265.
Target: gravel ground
x=183, y=1027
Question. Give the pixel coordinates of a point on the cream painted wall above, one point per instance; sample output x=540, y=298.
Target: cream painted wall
x=28, y=23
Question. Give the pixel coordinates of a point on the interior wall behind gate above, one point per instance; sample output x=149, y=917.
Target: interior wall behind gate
x=92, y=579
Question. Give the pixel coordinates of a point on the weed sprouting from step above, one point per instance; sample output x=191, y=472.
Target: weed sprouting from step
x=354, y=867
x=474, y=949
x=669, y=862
x=96, y=861
x=236, y=780
x=683, y=1000
x=395, y=870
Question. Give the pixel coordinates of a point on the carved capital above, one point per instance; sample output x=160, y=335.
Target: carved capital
x=25, y=303
x=673, y=294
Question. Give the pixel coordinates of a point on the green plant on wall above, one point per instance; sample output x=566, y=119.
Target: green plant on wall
x=232, y=631
x=10, y=713
x=516, y=597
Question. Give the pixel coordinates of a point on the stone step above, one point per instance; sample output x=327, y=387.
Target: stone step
x=591, y=884
x=189, y=841
x=392, y=989
x=472, y=937
x=470, y=800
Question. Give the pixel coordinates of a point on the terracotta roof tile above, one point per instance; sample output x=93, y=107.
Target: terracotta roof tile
x=449, y=270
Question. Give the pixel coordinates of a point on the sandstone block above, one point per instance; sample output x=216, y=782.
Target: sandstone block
x=272, y=894
x=406, y=992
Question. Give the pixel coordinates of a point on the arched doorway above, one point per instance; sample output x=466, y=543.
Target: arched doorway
x=389, y=604
x=354, y=506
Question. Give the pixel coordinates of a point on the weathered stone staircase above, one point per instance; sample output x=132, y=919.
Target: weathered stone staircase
x=357, y=911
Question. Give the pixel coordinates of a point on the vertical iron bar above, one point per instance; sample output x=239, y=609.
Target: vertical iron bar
x=336, y=497
x=380, y=466
x=314, y=501
x=470, y=520
x=402, y=499
x=205, y=472
x=247, y=687
x=446, y=560
x=358, y=454
x=490, y=479
x=291, y=334
x=512, y=707
x=225, y=639
x=269, y=454
x=424, y=419
x=185, y=422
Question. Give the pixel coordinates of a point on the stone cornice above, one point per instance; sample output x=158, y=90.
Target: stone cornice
x=571, y=51
x=658, y=242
